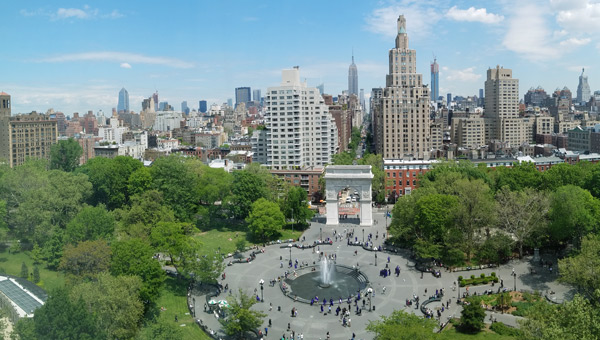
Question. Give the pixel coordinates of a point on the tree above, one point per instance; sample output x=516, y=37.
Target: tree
x=582, y=270
x=571, y=320
x=115, y=302
x=563, y=174
x=86, y=260
x=208, y=268
x=379, y=177
x=265, y=220
x=135, y=257
x=401, y=325
x=240, y=245
x=471, y=319
x=296, y=207
x=65, y=154
x=147, y=210
x=246, y=189
x=344, y=158
x=36, y=274
x=175, y=240
x=161, y=329
x=62, y=318
x=139, y=181
x=519, y=176
x=24, y=329
x=503, y=301
x=24, y=271
x=495, y=249
x=520, y=213
x=174, y=177
x=242, y=319
x=90, y=223
x=574, y=213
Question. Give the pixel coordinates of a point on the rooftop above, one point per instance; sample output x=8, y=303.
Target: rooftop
x=24, y=299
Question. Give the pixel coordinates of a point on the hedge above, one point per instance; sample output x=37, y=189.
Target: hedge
x=473, y=281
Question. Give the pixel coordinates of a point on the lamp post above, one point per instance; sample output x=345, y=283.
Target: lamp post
x=290, y=246
x=363, y=237
x=458, y=298
x=386, y=212
x=292, y=220
x=515, y=276
x=320, y=233
x=261, y=282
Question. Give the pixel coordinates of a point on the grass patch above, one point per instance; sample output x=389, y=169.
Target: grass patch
x=173, y=299
x=11, y=265
x=453, y=334
x=523, y=307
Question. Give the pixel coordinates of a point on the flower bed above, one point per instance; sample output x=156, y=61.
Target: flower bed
x=474, y=281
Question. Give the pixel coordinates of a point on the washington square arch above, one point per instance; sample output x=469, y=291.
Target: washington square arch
x=343, y=177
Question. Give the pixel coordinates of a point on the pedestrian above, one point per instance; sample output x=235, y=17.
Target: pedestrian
x=270, y=306
x=349, y=322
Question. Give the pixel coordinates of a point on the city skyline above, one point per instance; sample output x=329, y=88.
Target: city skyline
x=74, y=57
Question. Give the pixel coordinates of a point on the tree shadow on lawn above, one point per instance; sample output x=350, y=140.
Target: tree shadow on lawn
x=225, y=224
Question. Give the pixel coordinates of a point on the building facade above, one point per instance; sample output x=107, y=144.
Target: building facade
x=242, y=95
x=404, y=129
x=123, y=105
x=352, y=78
x=435, y=80
x=583, y=89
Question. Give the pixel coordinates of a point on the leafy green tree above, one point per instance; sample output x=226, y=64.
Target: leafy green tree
x=344, y=158
x=139, y=181
x=24, y=329
x=401, y=325
x=519, y=176
x=521, y=213
x=242, y=319
x=36, y=274
x=62, y=318
x=175, y=240
x=208, y=268
x=240, y=245
x=563, y=174
x=115, y=302
x=246, y=189
x=214, y=185
x=574, y=213
x=571, y=320
x=135, y=257
x=161, y=329
x=496, y=249
x=24, y=271
x=84, y=261
x=90, y=223
x=503, y=301
x=582, y=269
x=471, y=319
x=109, y=178
x=434, y=216
x=172, y=176
x=65, y=154
x=265, y=220
x=379, y=177
x=147, y=210
x=296, y=208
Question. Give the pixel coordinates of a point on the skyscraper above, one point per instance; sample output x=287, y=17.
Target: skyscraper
x=481, y=98
x=502, y=106
x=123, y=105
x=583, y=89
x=321, y=88
x=184, y=108
x=256, y=95
x=352, y=78
x=405, y=121
x=155, y=98
x=435, y=80
x=202, y=107
x=242, y=95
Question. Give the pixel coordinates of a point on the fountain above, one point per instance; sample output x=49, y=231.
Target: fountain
x=327, y=269
x=326, y=280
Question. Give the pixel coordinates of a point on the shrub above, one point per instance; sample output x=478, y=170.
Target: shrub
x=503, y=329
x=484, y=281
x=496, y=279
x=482, y=275
x=493, y=274
x=463, y=283
x=460, y=278
x=472, y=277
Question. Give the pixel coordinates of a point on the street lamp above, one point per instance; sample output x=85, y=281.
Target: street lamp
x=261, y=282
x=290, y=245
x=386, y=212
x=458, y=298
x=515, y=276
x=363, y=237
x=321, y=233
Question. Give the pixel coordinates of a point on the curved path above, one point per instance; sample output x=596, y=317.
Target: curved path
x=314, y=325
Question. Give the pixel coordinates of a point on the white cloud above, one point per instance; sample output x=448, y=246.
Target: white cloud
x=528, y=35
x=474, y=14
x=574, y=42
x=579, y=17
x=120, y=57
x=84, y=13
x=125, y=65
x=465, y=75
x=420, y=16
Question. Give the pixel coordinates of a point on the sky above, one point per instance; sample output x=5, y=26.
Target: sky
x=75, y=56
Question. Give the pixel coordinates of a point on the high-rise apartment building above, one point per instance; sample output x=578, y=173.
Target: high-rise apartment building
x=300, y=131
x=405, y=119
x=435, y=80
x=202, y=106
x=256, y=95
x=448, y=99
x=242, y=95
x=352, y=78
x=26, y=135
x=583, y=89
x=501, y=105
x=184, y=108
x=123, y=105
x=321, y=88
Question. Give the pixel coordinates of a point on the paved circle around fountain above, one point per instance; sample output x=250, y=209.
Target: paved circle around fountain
x=346, y=282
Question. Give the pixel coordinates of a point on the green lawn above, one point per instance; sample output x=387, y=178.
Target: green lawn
x=173, y=299
x=453, y=334
x=11, y=265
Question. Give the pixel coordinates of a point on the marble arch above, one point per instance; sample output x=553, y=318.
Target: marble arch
x=339, y=177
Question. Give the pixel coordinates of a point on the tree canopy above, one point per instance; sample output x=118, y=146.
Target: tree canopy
x=265, y=220
x=65, y=154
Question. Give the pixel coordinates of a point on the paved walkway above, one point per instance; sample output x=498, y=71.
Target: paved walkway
x=314, y=325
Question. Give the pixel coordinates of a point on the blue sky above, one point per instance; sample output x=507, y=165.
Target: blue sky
x=75, y=56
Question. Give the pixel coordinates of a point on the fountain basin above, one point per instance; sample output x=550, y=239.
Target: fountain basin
x=307, y=284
